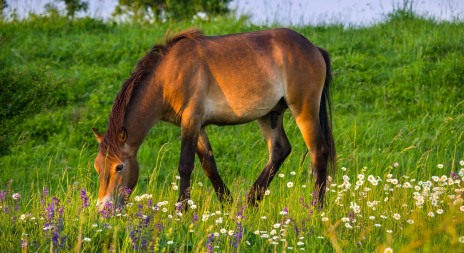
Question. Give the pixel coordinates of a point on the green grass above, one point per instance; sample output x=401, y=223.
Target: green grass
x=397, y=98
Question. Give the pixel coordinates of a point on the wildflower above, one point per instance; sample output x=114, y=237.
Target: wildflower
x=461, y=162
x=257, y=232
x=461, y=239
x=277, y=225
x=397, y=216
x=361, y=177
x=223, y=230
x=174, y=187
x=389, y=231
x=371, y=217
x=289, y=184
x=325, y=219
x=263, y=217
x=411, y=221
x=264, y=236
x=177, y=177
x=431, y=214
x=87, y=239
x=343, y=168
x=190, y=202
x=345, y=219
x=388, y=250
x=94, y=225
x=346, y=178
x=378, y=225
x=273, y=232
x=267, y=192
x=440, y=166
x=303, y=186
x=231, y=232
x=16, y=196
x=282, y=213
x=462, y=208
x=248, y=243
x=200, y=183
x=193, y=206
x=23, y=217
x=170, y=242
x=370, y=178
x=389, y=176
x=164, y=210
x=293, y=173
x=395, y=165
x=281, y=175
x=300, y=243
x=439, y=211
x=138, y=198
x=394, y=181
x=348, y=225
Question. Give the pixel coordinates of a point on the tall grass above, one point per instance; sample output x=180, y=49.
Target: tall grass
x=398, y=110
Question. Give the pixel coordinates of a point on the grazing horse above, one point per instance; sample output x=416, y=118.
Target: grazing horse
x=194, y=80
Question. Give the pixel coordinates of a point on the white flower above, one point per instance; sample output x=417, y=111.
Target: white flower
x=431, y=214
x=461, y=162
x=23, y=217
x=303, y=186
x=299, y=243
x=397, y=216
x=138, y=198
x=263, y=217
x=223, y=230
x=293, y=173
x=87, y=239
x=174, y=187
x=267, y=192
x=273, y=232
x=411, y=221
x=461, y=239
x=371, y=217
x=281, y=175
x=164, y=209
x=348, y=225
x=289, y=184
x=16, y=196
x=325, y=219
x=277, y=225
x=94, y=225
x=388, y=250
x=190, y=202
x=343, y=168
x=440, y=166
x=193, y=206
x=170, y=242
x=283, y=213
x=257, y=232
x=439, y=211
x=231, y=232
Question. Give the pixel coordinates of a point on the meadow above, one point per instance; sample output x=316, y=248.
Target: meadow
x=398, y=123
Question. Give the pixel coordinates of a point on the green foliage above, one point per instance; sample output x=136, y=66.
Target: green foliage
x=397, y=97
x=176, y=10
x=74, y=6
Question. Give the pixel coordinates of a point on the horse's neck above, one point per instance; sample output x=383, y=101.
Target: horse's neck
x=143, y=112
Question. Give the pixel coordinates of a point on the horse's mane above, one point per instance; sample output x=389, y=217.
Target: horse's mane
x=110, y=141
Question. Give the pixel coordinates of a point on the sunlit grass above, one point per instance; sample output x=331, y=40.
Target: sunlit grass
x=363, y=211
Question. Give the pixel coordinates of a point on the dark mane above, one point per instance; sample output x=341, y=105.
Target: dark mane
x=110, y=141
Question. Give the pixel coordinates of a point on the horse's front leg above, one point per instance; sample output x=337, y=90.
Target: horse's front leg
x=189, y=138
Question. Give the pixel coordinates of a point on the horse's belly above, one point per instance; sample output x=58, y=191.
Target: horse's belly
x=241, y=107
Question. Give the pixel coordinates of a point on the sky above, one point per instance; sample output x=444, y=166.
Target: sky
x=287, y=12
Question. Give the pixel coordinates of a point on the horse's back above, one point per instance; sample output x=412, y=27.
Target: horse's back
x=244, y=76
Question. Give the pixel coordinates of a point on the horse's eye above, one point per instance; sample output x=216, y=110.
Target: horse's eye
x=119, y=168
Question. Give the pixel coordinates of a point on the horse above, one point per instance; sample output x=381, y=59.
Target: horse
x=194, y=80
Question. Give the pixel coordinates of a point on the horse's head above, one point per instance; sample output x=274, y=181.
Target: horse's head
x=118, y=171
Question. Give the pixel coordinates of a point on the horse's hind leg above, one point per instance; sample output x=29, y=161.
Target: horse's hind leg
x=205, y=153
x=271, y=126
x=306, y=116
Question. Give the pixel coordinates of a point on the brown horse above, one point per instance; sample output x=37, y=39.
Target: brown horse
x=195, y=80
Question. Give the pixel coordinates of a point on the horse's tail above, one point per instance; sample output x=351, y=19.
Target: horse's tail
x=325, y=114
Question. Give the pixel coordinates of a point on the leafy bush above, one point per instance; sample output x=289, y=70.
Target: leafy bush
x=158, y=10
x=23, y=93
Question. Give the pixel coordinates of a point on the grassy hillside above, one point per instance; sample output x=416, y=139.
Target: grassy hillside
x=397, y=98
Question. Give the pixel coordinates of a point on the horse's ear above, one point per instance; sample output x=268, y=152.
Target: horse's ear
x=98, y=135
x=123, y=135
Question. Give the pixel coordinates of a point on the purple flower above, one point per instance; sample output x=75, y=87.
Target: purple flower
x=84, y=198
